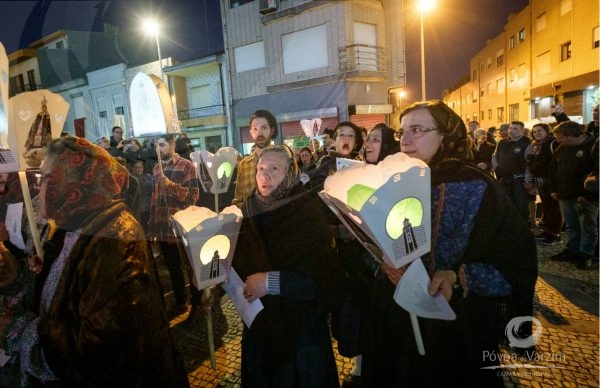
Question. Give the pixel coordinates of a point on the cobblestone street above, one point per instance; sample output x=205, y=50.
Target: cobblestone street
x=566, y=304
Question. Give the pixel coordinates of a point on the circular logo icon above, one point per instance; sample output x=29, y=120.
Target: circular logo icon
x=512, y=332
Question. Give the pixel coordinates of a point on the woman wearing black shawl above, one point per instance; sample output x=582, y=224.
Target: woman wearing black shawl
x=288, y=344
x=482, y=253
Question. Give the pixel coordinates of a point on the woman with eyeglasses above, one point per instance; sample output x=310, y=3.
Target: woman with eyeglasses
x=482, y=254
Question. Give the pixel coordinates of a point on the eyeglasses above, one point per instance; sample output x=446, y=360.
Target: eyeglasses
x=414, y=132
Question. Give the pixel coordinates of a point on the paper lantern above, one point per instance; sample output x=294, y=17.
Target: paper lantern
x=386, y=206
x=36, y=117
x=209, y=239
x=311, y=127
x=150, y=105
x=215, y=170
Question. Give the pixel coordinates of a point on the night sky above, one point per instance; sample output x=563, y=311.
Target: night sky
x=454, y=30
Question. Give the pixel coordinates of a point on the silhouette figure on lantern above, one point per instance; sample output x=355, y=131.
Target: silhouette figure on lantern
x=223, y=180
x=410, y=242
x=214, y=269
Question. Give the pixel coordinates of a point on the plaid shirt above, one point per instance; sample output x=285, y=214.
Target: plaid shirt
x=246, y=179
x=168, y=201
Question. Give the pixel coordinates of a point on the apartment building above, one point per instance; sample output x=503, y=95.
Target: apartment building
x=299, y=59
x=547, y=54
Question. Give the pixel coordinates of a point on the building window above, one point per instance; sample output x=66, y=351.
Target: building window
x=489, y=114
x=522, y=71
x=513, y=75
x=249, y=57
x=482, y=92
x=565, y=6
x=31, y=78
x=500, y=85
x=213, y=143
x=475, y=96
x=481, y=67
x=489, y=63
x=365, y=37
x=489, y=89
x=102, y=114
x=543, y=63
x=500, y=114
x=522, y=35
x=17, y=84
x=200, y=96
x=237, y=3
x=595, y=38
x=500, y=59
x=513, y=112
x=540, y=22
x=511, y=42
x=482, y=114
x=300, y=45
x=119, y=110
x=565, y=51
x=60, y=44
x=474, y=75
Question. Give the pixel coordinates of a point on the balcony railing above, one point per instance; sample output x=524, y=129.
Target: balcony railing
x=14, y=90
x=362, y=57
x=212, y=110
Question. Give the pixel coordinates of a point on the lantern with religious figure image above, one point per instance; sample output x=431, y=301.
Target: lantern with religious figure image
x=215, y=170
x=385, y=205
x=37, y=117
x=209, y=240
x=388, y=209
x=311, y=129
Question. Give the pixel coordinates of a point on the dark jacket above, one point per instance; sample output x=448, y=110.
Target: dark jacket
x=570, y=166
x=292, y=328
x=106, y=325
x=510, y=158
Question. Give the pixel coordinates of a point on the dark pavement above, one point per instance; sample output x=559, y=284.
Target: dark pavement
x=566, y=304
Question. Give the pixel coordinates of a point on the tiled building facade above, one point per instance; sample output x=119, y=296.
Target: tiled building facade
x=547, y=54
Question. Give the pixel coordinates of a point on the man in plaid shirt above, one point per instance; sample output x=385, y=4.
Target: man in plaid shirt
x=175, y=188
x=263, y=128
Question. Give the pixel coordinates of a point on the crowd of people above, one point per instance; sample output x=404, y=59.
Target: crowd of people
x=90, y=310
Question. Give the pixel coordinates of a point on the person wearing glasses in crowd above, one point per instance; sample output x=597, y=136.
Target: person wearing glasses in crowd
x=474, y=263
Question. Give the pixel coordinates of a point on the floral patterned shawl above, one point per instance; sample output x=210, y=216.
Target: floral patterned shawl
x=84, y=179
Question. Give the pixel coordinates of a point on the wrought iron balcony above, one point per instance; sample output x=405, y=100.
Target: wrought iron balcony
x=206, y=111
x=17, y=89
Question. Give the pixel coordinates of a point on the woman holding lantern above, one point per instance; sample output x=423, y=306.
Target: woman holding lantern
x=293, y=274
x=474, y=263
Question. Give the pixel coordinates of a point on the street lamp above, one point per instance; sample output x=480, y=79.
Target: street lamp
x=424, y=5
x=153, y=28
x=401, y=95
